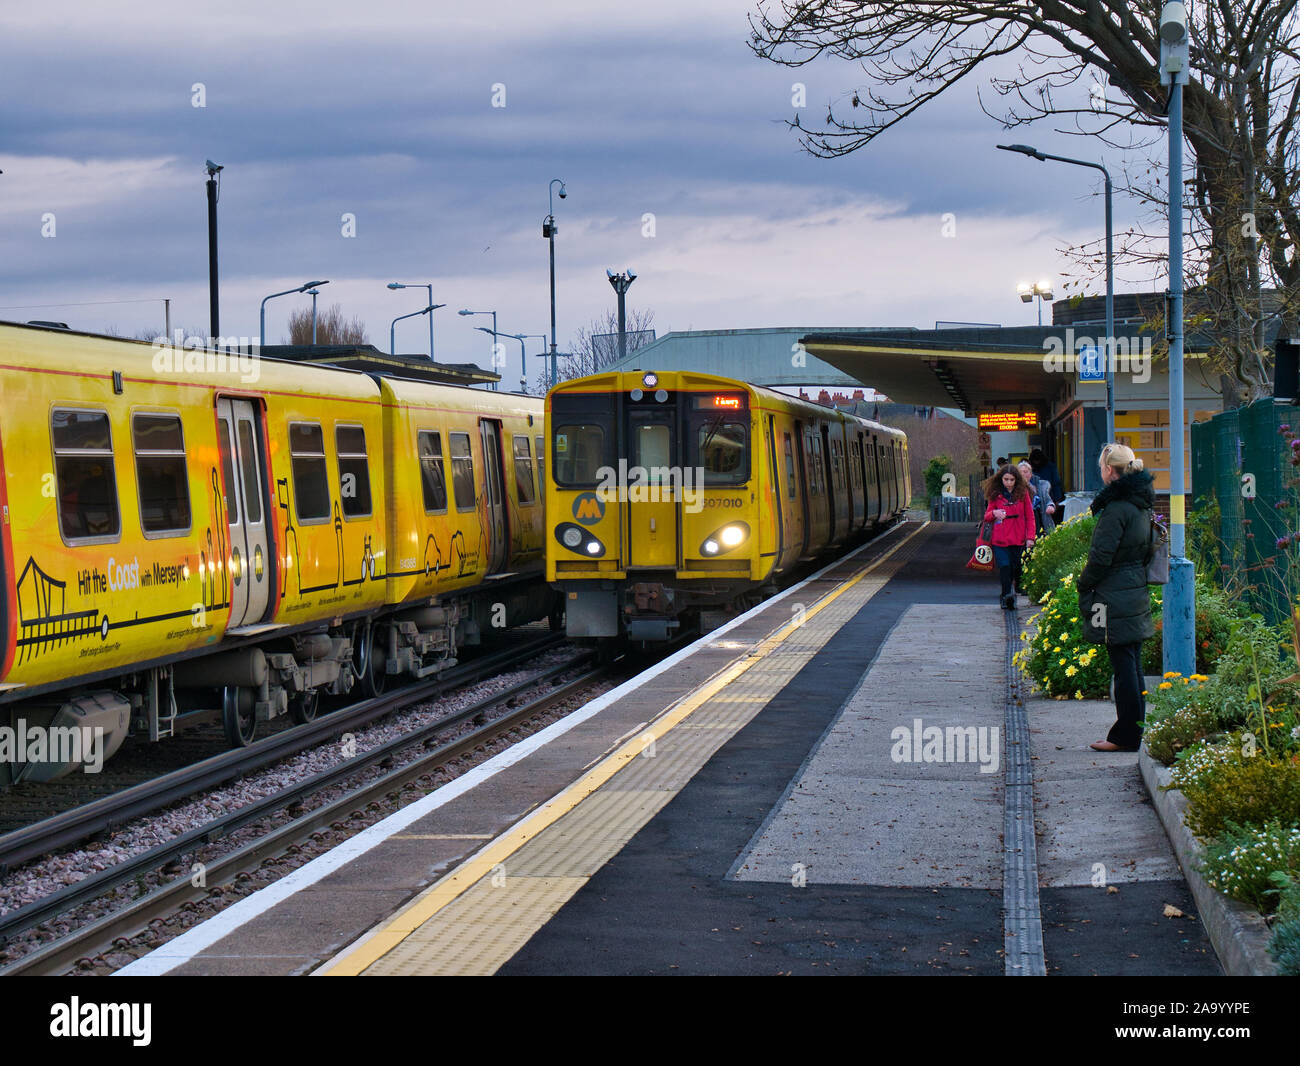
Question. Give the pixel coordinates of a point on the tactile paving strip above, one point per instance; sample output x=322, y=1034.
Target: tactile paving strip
x=483, y=926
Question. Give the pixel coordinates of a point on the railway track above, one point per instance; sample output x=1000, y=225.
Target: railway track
x=100, y=935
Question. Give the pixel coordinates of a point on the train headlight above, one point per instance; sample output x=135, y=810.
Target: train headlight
x=723, y=540
x=576, y=539
x=650, y=380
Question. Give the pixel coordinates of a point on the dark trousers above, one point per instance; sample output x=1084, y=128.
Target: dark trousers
x=1008, y=559
x=1130, y=706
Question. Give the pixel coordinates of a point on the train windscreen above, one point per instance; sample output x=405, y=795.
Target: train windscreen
x=583, y=438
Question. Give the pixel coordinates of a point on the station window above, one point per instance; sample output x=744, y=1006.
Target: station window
x=83, y=468
x=311, y=488
x=524, y=471
x=160, y=473
x=354, y=470
x=433, y=475
x=462, y=471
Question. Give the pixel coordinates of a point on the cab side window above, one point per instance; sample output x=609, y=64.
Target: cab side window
x=83, y=469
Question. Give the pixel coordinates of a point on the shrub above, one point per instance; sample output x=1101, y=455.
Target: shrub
x=1246, y=790
x=1171, y=733
x=1242, y=864
x=1062, y=551
x=1058, y=659
x=933, y=474
x=1285, y=943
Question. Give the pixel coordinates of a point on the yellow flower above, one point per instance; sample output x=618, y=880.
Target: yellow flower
x=1061, y=662
x=1057, y=648
x=1075, y=618
x=1070, y=671
x=1173, y=673
x=1078, y=695
x=1166, y=684
x=1144, y=692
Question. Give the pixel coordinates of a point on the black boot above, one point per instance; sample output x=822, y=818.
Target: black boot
x=1004, y=572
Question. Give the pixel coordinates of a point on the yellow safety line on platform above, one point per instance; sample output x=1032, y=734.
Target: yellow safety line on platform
x=385, y=938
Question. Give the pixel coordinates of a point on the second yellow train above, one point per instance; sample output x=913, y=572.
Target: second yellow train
x=679, y=498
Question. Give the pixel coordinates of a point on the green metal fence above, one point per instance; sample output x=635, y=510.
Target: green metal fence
x=1241, y=458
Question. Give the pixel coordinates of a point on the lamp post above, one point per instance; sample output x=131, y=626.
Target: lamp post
x=1034, y=153
x=465, y=311
x=300, y=288
x=214, y=314
x=392, y=326
x=621, y=283
x=1179, y=609
x=548, y=231
x=542, y=338
x=313, y=293
x=523, y=354
x=1041, y=289
x=398, y=285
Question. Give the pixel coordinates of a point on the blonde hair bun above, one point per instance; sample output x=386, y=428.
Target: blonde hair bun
x=1121, y=457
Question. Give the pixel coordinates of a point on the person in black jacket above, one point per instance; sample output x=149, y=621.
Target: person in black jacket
x=1114, y=604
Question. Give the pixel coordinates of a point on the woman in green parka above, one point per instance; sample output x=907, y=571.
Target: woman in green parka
x=1114, y=604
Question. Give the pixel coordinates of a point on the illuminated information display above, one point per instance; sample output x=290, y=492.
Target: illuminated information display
x=1007, y=421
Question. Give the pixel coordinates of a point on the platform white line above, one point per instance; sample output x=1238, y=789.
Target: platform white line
x=192, y=942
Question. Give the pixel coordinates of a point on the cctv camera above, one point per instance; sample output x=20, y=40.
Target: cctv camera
x=1173, y=23
x=213, y=166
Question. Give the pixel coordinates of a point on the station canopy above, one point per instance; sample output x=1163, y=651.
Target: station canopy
x=970, y=369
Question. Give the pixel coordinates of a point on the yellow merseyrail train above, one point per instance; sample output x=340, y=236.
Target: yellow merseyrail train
x=189, y=531
x=684, y=497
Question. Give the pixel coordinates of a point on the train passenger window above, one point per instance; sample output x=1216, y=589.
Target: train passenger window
x=789, y=467
x=354, y=471
x=83, y=468
x=160, y=474
x=462, y=471
x=524, y=471
x=433, y=476
x=541, y=463
x=311, y=489
x=230, y=497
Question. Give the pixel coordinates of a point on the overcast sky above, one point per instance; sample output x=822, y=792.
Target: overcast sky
x=384, y=111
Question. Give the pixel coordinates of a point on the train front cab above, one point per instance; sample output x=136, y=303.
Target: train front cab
x=638, y=536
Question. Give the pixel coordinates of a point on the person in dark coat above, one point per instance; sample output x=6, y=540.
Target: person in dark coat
x=1040, y=493
x=1114, y=604
x=1046, y=469
x=1011, y=511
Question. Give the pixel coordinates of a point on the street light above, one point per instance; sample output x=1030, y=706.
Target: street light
x=300, y=288
x=313, y=293
x=464, y=311
x=549, y=229
x=1034, y=153
x=213, y=185
x=523, y=354
x=1041, y=289
x=392, y=326
x=1180, y=596
x=398, y=285
x=621, y=283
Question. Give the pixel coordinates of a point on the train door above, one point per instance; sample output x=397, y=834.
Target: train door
x=494, y=518
x=775, y=482
x=828, y=478
x=650, y=512
x=248, y=562
x=805, y=486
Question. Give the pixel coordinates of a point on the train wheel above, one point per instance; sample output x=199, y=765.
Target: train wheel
x=555, y=618
x=370, y=658
x=304, y=705
x=238, y=716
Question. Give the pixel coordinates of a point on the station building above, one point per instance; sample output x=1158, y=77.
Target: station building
x=1022, y=383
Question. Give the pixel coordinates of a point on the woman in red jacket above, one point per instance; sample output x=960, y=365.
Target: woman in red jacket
x=1011, y=510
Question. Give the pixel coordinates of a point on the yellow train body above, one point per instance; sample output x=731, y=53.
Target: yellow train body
x=162, y=506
